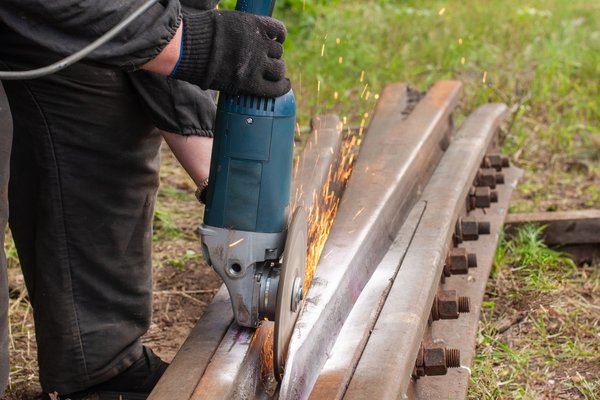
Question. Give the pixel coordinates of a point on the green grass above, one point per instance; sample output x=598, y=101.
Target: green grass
x=539, y=329
x=10, y=250
x=164, y=227
x=542, y=58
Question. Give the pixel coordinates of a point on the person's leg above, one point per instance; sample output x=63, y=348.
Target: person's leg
x=5, y=143
x=82, y=190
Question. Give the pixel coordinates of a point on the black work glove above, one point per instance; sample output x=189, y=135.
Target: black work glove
x=232, y=51
x=200, y=4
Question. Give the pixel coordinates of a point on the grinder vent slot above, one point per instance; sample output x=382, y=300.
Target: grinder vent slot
x=250, y=104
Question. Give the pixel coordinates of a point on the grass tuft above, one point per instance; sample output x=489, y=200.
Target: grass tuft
x=540, y=325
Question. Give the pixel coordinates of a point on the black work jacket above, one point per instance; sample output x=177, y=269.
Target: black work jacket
x=66, y=26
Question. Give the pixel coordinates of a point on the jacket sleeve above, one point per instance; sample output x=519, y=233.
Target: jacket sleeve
x=66, y=26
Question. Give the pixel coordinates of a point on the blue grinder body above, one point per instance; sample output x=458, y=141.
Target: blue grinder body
x=251, y=165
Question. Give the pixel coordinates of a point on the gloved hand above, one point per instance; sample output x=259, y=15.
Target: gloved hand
x=200, y=4
x=234, y=52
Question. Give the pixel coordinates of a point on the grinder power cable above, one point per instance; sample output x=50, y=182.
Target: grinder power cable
x=246, y=236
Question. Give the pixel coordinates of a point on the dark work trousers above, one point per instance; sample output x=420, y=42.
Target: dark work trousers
x=5, y=143
x=84, y=175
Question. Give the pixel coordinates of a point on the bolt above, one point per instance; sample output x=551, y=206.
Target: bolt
x=481, y=197
x=457, y=262
x=488, y=177
x=464, y=304
x=434, y=360
x=471, y=228
x=447, y=305
x=249, y=121
x=496, y=161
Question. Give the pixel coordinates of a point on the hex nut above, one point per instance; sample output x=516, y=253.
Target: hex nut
x=486, y=177
x=482, y=197
x=447, y=304
x=457, y=262
x=434, y=360
x=471, y=228
x=496, y=161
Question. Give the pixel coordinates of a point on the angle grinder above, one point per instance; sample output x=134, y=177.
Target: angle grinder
x=247, y=234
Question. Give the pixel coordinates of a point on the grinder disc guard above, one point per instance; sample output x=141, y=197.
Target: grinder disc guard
x=290, y=292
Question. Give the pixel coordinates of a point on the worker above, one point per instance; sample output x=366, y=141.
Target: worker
x=84, y=167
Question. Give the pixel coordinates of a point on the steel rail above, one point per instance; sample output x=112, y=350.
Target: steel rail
x=337, y=371
x=385, y=367
x=215, y=341
x=461, y=333
x=396, y=159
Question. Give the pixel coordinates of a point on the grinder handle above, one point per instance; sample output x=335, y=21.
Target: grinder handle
x=256, y=7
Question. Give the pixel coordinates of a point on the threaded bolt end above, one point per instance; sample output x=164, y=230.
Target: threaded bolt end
x=453, y=358
x=493, y=196
x=499, y=178
x=472, y=260
x=484, y=228
x=464, y=304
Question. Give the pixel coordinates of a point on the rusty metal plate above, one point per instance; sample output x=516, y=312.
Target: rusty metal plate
x=462, y=332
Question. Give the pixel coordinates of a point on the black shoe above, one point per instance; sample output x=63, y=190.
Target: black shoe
x=135, y=383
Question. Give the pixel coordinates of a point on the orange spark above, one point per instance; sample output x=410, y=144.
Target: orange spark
x=325, y=206
x=231, y=245
x=358, y=213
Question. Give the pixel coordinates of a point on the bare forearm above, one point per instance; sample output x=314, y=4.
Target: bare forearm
x=166, y=60
x=192, y=152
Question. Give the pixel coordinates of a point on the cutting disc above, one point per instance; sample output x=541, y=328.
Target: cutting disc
x=290, y=290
